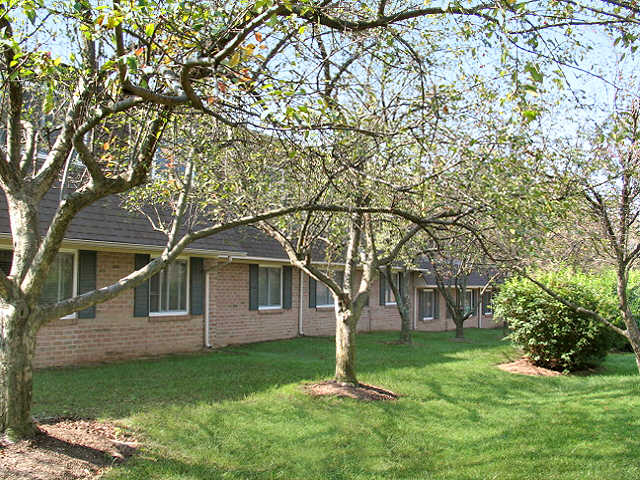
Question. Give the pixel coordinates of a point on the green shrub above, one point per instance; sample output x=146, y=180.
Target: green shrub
x=551, y=334
x=604, y=288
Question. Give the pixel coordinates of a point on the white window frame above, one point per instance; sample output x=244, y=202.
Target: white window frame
x=333, y=299
x=74, y=280
x=271, y=307
x=433, y=304
x=388, y=290
x=173, y=313
x=490, y=313
x=471, y=305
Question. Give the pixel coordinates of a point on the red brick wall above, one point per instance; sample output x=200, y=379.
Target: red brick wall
x=321, y=321
x=115, y=333
x=230, y=318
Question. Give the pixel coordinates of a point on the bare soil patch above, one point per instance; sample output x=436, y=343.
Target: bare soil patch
x=66, y=449
x=523, y=366
x=362, y=391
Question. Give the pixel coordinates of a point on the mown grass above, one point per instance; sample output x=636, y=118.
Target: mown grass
x=240, y=413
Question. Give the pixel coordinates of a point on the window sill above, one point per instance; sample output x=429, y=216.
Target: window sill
x=180, y=317
x=392, y=304
x=177, y=313
x=64, y=321
x=325, y=307
x=428, y=319
x=270, y=310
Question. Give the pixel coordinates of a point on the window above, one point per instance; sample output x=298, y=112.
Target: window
x=487, y=302
x=59, y=284
x=6, y=257
x=324, y=297
x=269, y=287
x=427, y=303
x=61, y=281
x=168, y=290
x=389, y=298
x=469, y=301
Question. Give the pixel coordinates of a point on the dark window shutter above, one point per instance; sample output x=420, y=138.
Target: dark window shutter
x=401, y=283
x=196, y=285
x=421, y=306
x=383, y=287
x=253, y=287
x=436, y=304
x=312, y=292
x=286, y=287
x=141, y=292
x=6, y=258
x=87, y=273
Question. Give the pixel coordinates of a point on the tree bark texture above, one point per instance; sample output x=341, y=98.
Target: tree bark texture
x=401, y=294
x=346, y=321
x=17, y=350
x=405, y=322
x=633, y=332
x=459, y=327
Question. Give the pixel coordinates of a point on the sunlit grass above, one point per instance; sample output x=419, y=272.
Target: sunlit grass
x=240, y=413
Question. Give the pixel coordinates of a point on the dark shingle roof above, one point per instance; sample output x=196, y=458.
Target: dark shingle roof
x=478, y=277
x=107, y=221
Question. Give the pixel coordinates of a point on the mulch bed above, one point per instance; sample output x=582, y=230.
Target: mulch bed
x=66, y=449
x=523, y=366
x=368, y=393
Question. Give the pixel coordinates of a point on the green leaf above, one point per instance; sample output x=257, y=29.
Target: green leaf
x=534, y=71
x=48, y=102
x=149, y=29
x=132, y=63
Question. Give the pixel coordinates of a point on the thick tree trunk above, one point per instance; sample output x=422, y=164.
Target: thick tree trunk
x=405, y=319
x=459, y=328
x=17, y=350
x=346, y=321
x=403, y=308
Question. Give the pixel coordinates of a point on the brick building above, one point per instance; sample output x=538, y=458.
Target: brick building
x=235, y=287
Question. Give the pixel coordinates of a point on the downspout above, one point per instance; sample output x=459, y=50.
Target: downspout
x=300, y=329
x=207, y=328
x=415, y=306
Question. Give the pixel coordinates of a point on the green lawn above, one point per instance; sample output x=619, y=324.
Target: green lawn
x=240, y=414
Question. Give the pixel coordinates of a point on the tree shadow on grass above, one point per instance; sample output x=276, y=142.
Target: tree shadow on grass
x=345, y=439
x=124, y=389
x=121, y=389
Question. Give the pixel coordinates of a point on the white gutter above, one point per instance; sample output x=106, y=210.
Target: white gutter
x=300, y=329
x=207, y=294
x=123, y=246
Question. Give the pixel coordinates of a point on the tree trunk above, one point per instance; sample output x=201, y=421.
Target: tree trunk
x=459, y=328
x=17, y=350
x=403, y=309
x=634, y=336
x=405, y=325
x=346, y=321
x=630, y=322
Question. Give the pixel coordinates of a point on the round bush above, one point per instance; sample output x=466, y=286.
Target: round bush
x=551, y=334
